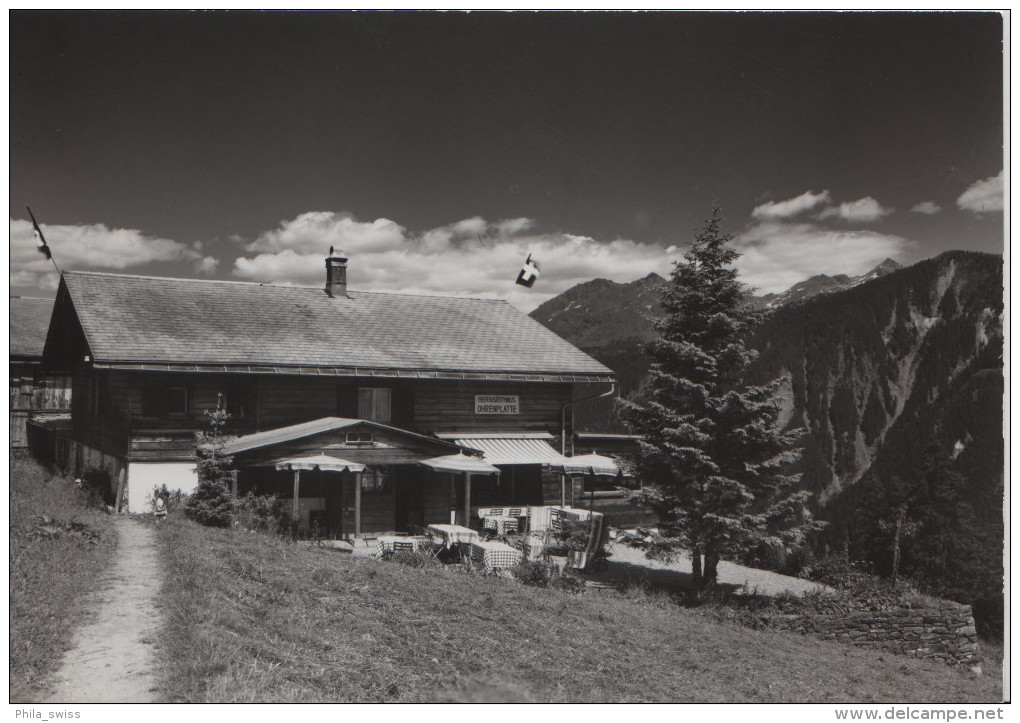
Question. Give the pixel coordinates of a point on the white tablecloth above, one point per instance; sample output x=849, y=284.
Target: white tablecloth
x=453, y=534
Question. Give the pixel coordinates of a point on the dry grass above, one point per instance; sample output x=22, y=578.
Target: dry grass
x=51, y=576
x=254, y=618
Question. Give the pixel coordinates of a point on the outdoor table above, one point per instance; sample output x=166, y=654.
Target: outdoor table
x=388, y=543
x=575, y=514
x=494, y=554
x=502, y=524
x=452, y=534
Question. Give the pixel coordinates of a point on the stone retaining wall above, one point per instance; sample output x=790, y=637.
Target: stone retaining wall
x=945, y=633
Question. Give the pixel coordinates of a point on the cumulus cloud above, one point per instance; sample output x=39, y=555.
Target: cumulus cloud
x=472, y=257
x=512, y=226
x=207, y=265
x=984, y=196
x=928, y=208
x=318, y=230
x=778, y=254
x=92, y=246
x=863, y=210
x=790, y=207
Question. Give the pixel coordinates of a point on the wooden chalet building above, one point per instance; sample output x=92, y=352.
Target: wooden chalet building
x=375, y=386
x=35, y=392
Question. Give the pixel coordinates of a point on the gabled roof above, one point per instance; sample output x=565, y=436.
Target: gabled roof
x=148, y=322
x=294, y=432
x=30, y=318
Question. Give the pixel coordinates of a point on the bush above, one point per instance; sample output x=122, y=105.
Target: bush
x=173, y=498
x=536, y=573
x=258, y=512
x=96, y=483
x=859, y=588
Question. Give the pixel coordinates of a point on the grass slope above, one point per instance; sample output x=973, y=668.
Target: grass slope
x=257, y=619
x=51, y=577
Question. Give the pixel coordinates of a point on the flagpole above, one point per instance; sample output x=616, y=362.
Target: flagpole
x=45, y=248
x=513, y=286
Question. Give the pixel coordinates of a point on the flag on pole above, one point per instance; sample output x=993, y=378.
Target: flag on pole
x=529, y=272
x=40, y=240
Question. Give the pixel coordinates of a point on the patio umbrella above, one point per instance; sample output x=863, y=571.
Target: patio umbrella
x=593, y=464
x=321, y=462
x=460, y=463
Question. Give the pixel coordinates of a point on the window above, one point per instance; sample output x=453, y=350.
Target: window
x=176, y=401
x=239, y=401
x=375, y=404
x=374, y=480
x=359, y=438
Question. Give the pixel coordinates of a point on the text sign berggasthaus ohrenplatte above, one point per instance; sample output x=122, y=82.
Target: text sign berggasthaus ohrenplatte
x=497, y=404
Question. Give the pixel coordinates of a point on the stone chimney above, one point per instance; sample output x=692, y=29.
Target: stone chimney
x=336, y=274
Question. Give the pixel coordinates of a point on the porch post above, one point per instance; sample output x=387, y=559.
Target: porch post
x=343, y=505
x=453, y=498
x=357, y=505
x=563, y=489
x=297, y=484
x=467, y=499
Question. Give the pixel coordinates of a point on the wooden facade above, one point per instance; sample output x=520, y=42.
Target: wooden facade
x=34, y=390
x=113, y=410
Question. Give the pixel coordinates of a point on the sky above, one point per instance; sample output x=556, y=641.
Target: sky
x=437, y=150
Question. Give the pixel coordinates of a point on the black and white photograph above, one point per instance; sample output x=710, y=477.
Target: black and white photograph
x=517, y=357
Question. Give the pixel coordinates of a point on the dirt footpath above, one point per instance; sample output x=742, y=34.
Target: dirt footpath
x=112, y=659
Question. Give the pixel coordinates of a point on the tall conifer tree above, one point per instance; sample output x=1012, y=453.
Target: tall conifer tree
x=714, y=455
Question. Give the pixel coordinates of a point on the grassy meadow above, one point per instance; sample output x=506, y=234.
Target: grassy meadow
x=53, y=570
x=255, y=618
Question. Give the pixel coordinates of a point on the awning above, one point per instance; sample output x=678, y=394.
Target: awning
x=459, y=463
x=321, y=462
x=516, y=449
x=594, y=464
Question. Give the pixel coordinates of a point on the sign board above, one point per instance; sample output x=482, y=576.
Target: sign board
x=497, y=404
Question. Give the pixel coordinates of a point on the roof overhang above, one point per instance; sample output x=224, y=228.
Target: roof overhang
x=382, y=373
x=282, y=435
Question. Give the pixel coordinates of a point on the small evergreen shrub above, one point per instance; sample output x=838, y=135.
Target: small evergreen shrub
x=211, y=503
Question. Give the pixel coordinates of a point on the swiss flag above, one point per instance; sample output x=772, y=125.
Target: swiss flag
x=529, y=272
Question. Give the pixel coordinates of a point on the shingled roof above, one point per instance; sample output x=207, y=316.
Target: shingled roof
x=155, y=323
x=30, y=318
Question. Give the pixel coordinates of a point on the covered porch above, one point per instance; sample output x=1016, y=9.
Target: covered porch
x=351, y=478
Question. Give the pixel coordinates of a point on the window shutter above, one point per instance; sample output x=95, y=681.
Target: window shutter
x=383, y=406
x=152, y=401
x=403, y=407
x=365, y=399
x=347, y=401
